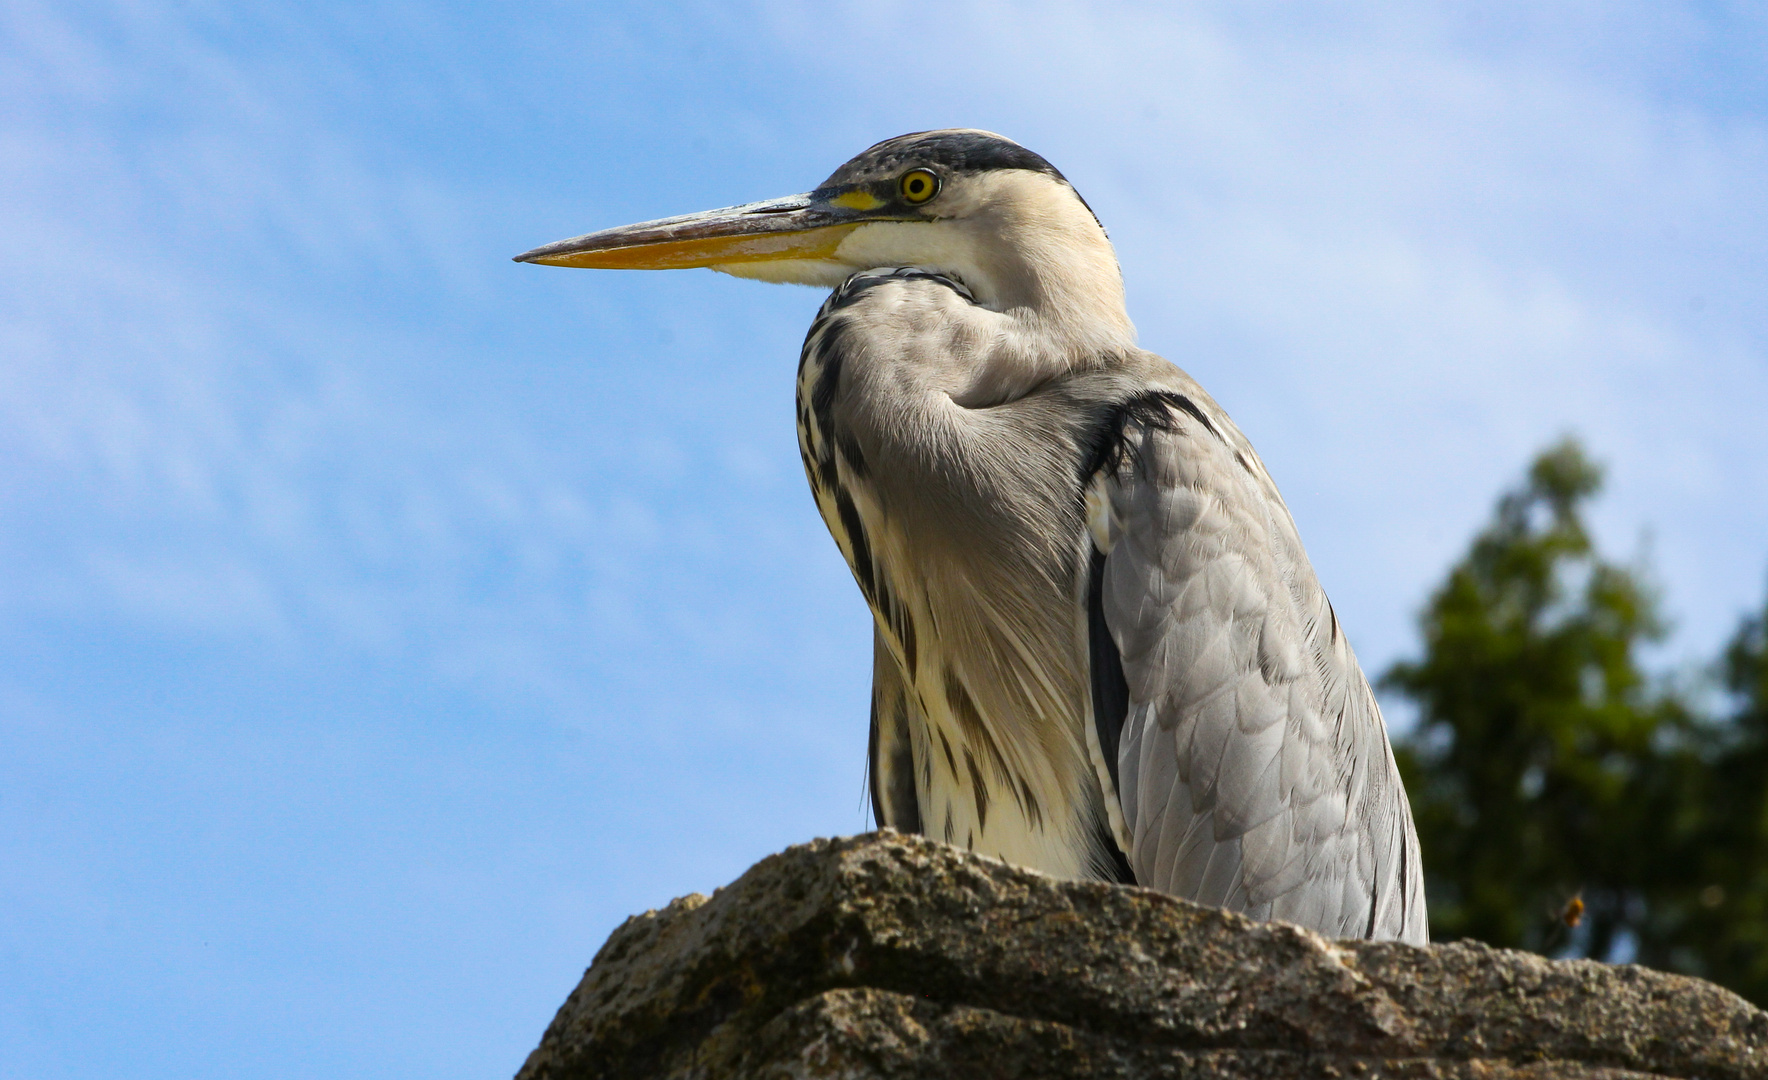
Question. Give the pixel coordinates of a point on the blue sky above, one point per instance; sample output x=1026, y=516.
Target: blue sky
x=385, y=621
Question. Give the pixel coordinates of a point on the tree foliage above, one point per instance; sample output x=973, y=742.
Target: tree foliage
x=1566, y=802
x=1716, y=924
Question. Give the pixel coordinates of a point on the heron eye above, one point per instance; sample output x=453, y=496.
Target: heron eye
x=919, y=186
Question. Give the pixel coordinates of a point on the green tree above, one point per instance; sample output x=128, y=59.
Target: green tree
x=1712, y=920
x=1545, y=765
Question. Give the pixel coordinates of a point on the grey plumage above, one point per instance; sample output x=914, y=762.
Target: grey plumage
x=1100, y=649
x=1256, y=769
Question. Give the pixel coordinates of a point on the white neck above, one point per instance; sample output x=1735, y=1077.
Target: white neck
x=1026, y=246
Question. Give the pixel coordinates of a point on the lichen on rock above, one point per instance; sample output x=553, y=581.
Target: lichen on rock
x=886, y=956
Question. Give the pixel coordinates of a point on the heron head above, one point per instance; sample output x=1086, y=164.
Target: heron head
x=971, y=204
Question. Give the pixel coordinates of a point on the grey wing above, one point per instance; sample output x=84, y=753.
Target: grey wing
x=1253, y=767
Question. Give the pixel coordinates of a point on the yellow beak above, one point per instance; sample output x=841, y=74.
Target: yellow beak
x=796, y=227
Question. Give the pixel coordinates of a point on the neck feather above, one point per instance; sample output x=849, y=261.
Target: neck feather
x=1026, y=246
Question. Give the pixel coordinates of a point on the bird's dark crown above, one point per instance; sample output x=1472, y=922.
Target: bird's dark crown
x=954, y=151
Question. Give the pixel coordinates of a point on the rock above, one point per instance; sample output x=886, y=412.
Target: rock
x=886, y=956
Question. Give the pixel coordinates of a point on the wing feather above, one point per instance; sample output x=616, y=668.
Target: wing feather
x=1254, y=768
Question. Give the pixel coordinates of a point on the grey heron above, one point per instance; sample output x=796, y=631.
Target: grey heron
x=1099, y=648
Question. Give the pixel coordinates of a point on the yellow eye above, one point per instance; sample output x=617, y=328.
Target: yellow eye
x=918, y=186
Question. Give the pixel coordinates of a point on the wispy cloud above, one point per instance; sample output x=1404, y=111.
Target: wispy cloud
x=1404, y=248
x=209, y=419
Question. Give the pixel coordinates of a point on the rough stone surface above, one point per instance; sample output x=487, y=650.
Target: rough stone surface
x=890, y=956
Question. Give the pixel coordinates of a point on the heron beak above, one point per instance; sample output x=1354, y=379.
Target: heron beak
x=796, y=227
